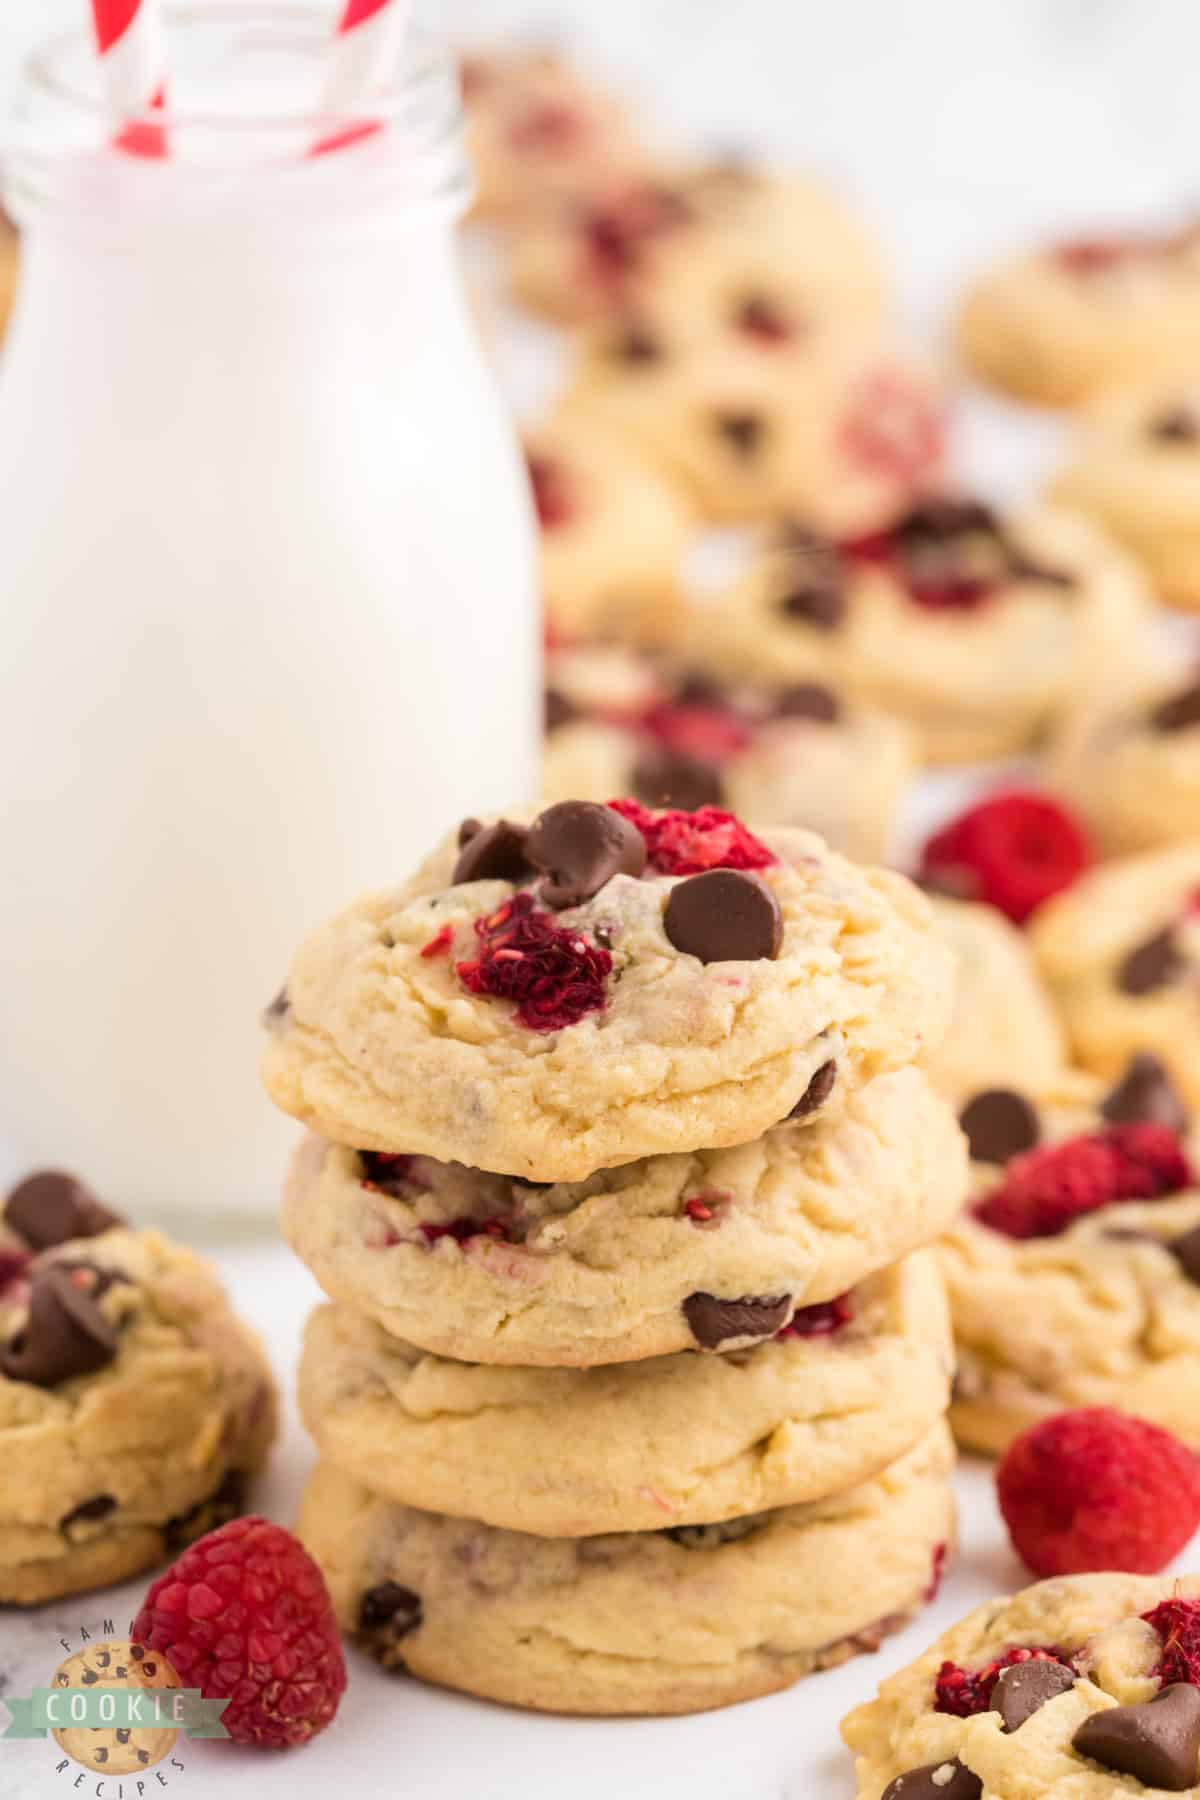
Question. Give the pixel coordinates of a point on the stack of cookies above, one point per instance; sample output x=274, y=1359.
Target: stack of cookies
x=631, y=1396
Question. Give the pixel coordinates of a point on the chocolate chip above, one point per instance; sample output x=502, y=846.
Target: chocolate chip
x=724, y=915
x=999, y=1124
x=1024, y=1689
x=390, y=1607
x=227, y=1501
x=1176, y=426
x=941, y=520
x=714, y=1322
x=663, y=777
x=65, y=1334
x=699, y=689
x=822, y=607
x=1186, y=1251
x=387, y=1172
x=635, y=344
x=97, y=1508
x=123, y=1734
x=715, y=1537
x=579, y=846
x=1145, y=1095
x=1179, y=713
x=467, y=830
x=493, y=853
x=275, y=1014
x=742, y=431
x=807, y=700
x=817, y=1092
x=557, y=710
x=52, y=1208
x=1158, y=1742
x=1151, y=965
x=950, y=1780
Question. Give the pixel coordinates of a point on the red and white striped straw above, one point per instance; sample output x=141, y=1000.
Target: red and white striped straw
x=361, y=63
x=133, y=67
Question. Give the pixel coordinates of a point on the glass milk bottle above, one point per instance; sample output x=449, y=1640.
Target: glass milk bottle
x=269, y=620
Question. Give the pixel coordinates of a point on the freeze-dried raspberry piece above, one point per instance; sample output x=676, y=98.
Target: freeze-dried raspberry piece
x=554, y=977
x=688, y=843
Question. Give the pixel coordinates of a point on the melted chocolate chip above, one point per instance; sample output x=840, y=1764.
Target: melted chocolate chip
x=742, y=431
x=715, y=1537
x=807, y=700
x=663, y=777
x=636, y=345
x=1180, y=713
x=387, y=1172
x=724, y=915
x=227, y=1502
x=713, y=1322
x=1186, y=1251
x=493, y=853
x=1176, y=426
x=97, y=1508
x=1024, y=1689
x=65, y=1334
x=1145, y=1095
x=940, y=521
x=1158, y=1742
x=391, y=1609
x=579, y=846
x=557, y=711
x=1151, y=965
x=950, y=1780
x=999, y=1124
x=817, y=1092
x=52, y=1208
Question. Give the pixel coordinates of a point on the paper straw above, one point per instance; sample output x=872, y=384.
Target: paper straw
x=362, y=59
x=133, y=69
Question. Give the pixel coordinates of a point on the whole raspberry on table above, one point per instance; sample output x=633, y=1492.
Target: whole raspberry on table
x=1014, y=850
x=1044, y=1190
x=689, y=843
x=1097, y=1489
x=245, y=1616
x=965, y=1692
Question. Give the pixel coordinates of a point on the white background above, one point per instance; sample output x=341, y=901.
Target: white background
x=958, y=127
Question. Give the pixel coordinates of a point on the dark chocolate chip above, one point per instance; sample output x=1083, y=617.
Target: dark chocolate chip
x=663, y=777
x=1024, y=1689
x=275, y=1014
x=1186, y=1251
x=714, y=1322
x=699, y=689
x=1151, y=965
x=1177, y=426
x=814, y=604
x=807, y=700
x=950, y=1780
x=97, y=1508
x=1145, y=1095
x=143, y=1756
x=227, y=1501
x=1179, y=713
x=557, y=710
x=817, y=1092
x=467, y=830
x=942, y=520
x=579, y=846
x=724, y=915
x=100, y=1752
x=715, y=1537
x=65, y=1334
x=387, y=1173
x=742, y=431
x=391, y=1608
x=52, y=1208
x=493, y=853
x=1158, y=1742
x=89, y=1677
x=123, y=1734
x=636, y=344
x=999, y=1124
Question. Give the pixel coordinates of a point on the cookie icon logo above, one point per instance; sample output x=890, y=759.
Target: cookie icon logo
x=111, y=1671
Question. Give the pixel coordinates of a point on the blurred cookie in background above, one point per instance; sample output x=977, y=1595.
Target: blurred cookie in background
x=1059, y=325
x=1129, y=762
x=976, y=628
x=801, y=754
x=1138, y=472
x=9, y=265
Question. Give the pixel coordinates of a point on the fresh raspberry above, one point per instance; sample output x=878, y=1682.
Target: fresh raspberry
x=1096, y=1489
x=1177, y=1623
x=688, y=843
x=1014, y=850
x=1043, y=1190
x=965, y=1692
x=821, y=1320
x=711, y=733
x=551, y=492
x=555, y=977
x=245, y=1616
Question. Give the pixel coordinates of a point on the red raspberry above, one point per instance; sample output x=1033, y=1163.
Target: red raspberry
x=1177, y=1623
x=556, y=977
x=245, y=1616
x=1014, y=850
x=821, y=1320
x=688, y=843
x=711, y=733
x=965, y=1692
x=1045, y=1189
x=893, y=429
x=1095, y=1489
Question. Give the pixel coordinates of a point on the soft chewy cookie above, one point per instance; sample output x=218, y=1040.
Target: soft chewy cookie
x=801, y=754
x=133, y=1404
x=1121, y=952
x=668, y=1621
x=613, y=536
x=1003, y=1028
x=712, y=1250
x=1137, y=471
x=1129, y=762
x=1063, y=324
x=974, y=628
x=1073, y=1274
x=1070, y=1690
x=830, y=425
x=537, y=131
x=851, y=1385
x=604, y=985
